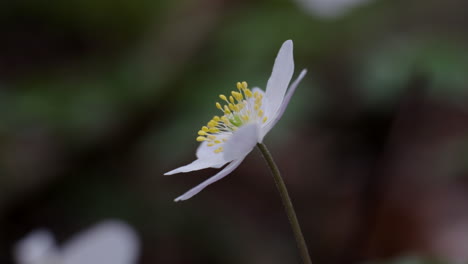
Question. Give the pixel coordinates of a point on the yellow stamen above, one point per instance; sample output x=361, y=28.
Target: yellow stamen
x=223, y=97
x=218, y=105
x=248, y=93
x=212, y=124
x=200, y=139
x=239, y=85
x=226, y=109
x=218, y=150
x=244, y=85
x=201, y=133
x=265, y=119
x=260, y=113
x=204, y=128
x=237, y=95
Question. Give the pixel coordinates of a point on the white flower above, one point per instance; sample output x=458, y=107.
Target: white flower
x=248, y=115
x=110, y=242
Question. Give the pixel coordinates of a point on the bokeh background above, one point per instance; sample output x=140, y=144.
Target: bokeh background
x=99, y=98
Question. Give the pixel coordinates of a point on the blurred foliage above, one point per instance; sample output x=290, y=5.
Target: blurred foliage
x=99, y=98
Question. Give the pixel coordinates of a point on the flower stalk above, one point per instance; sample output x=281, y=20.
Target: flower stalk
x=288, y=206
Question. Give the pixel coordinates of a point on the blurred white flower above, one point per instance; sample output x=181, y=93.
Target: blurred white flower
x=248, y=115
x=110, y=242
x=329, y=8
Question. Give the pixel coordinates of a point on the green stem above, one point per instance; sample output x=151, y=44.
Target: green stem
x=288, y=206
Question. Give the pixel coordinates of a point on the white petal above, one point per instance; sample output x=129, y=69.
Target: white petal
x=198, y=164
x=257, y=89
x=223, y=173
x=241, y=142
x=111, y=242
x=37, y=247
x=277, y=116
x=207, y=158
x=281, y=75
x=206, y=152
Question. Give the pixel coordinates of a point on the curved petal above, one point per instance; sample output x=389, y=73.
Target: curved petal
x=223, y=173
x=241, y=142
x=198, y=164
x=257, y=89
x=207, y=158
x=281, y=75
x=206, y=152
x=111, y=242
x=277, y=116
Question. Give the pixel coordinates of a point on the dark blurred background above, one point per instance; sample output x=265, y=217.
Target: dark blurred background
x=99, y=98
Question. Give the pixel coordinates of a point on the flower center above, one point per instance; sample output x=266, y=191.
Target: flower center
x=241, y=107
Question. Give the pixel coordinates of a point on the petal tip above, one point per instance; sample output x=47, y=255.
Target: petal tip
x=287, y=44
x=303, y=72
x=180, y=198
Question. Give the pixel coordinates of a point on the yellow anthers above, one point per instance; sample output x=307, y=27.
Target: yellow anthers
x=244, y=85
x=237, y=95
x=212, y=124
x=238, y=109
x=248, y=93
x=218, y=150
x=223, y=97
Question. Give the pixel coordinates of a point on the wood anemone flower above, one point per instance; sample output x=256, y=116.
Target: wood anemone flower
x=247, y=116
